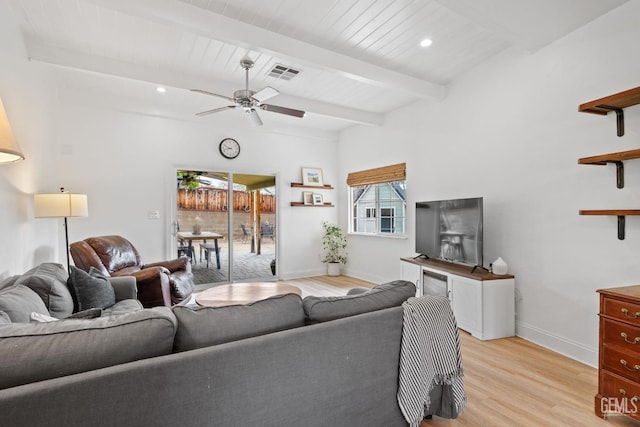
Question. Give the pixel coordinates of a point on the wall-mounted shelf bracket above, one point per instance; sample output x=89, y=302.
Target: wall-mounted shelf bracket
x=621, y=221
x=615, y=103
x=619, y=117
x=620, y=213
x=615, y=158
x=619, y=174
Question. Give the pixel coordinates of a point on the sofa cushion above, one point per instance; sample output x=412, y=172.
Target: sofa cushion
x=322, y=309
x=91, y=313
x=4, y=318
x=207, y=326
x=32, y=352
x=18, y=302
x=90, y=290
x=49, y=281
x=123, y=307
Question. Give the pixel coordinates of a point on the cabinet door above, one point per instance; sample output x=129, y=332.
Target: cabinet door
x=466, y=301
x=412, y=273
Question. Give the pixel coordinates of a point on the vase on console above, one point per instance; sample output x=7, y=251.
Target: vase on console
x=500, y=267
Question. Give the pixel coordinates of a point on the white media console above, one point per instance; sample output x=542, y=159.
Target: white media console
x=483, y=303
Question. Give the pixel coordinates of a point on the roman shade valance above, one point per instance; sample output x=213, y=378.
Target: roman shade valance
x=378, y=175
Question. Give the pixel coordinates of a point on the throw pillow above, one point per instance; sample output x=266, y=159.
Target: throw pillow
x=18, y=302
x=48, y=280
x=9, y=281
x=90, y=291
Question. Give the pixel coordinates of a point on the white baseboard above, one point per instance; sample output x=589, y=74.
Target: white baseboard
x=564, y=346
x=303, y=273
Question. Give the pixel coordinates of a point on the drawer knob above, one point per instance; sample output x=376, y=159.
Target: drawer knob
x=626, y=313
x=635, y=367
x=623, y=392
x=635, y=340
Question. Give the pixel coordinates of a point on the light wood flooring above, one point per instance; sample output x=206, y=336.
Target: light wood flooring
x=511, y=381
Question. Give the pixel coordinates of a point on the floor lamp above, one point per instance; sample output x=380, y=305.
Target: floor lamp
x=61, y=205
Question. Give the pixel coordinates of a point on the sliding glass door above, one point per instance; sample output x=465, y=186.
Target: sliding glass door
x=226, y=224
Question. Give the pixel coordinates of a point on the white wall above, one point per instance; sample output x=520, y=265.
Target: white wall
x=126, y=164
x=25, y=242
x=510, y=131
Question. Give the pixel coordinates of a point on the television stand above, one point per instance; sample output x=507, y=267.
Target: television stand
x=421, y=256
x=483, y=303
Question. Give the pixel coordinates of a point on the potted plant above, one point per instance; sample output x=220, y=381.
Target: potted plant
x=334, y=246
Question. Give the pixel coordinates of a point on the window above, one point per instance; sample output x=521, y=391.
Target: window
x=378, y=201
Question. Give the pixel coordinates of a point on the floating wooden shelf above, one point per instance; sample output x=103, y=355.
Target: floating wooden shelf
x=301, y=185
x=324, y=205
x=615, y=103
x=615, y=158
x=620, y=213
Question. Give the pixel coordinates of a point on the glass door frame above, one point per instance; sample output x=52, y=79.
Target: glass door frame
x=172, y=217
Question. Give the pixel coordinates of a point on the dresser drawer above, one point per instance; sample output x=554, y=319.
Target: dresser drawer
x=618, y=395
x=621, y=334
x=622, y=310
x=622, y=362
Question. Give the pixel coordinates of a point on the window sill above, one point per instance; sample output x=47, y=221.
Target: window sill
x=381, y=235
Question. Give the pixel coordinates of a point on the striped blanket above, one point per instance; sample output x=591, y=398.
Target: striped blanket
x=430, y=356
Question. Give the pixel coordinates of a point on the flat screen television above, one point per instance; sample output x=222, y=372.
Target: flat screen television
x=450, y=230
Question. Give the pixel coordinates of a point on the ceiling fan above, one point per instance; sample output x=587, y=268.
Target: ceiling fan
x=250, y=101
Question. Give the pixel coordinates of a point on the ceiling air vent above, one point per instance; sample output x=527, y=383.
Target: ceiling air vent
x=283, y=72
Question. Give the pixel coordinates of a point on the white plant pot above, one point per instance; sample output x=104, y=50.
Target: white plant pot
x=333, y=269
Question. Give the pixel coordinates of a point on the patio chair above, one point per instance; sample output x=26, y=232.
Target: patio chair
x=266, y=230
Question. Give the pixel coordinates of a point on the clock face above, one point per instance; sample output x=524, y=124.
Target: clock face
x=229, y=148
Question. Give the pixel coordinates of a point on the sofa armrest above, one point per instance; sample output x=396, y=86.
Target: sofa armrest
x=357, y=291
x=124, y=287
x=178, y=264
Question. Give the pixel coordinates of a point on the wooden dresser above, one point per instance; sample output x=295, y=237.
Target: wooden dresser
x=619, y=359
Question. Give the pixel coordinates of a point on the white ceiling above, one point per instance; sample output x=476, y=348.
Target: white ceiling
x=359, y=58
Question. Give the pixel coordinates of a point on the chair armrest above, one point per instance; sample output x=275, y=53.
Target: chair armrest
x=153, y=286
x=178, y=264
x=124, y=287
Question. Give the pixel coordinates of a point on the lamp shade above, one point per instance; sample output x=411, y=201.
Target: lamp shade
x=9, y=150
x=59, y=205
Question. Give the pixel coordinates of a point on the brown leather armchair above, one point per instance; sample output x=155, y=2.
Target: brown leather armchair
x=161, y=283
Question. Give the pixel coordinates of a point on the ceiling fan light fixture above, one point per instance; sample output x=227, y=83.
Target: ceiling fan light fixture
x=249, y=100
x=426, y=42
x=254, y=118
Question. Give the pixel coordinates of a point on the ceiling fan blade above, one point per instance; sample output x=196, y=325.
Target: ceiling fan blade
x=215, y=110
x=283, y=110
x=265, y=93
x=213, y=94
x=253, y=117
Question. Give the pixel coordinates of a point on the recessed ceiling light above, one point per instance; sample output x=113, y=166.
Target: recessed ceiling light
x=426, y=42
x=161, y=89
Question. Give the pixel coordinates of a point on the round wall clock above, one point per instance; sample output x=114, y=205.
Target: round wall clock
x=229, y=148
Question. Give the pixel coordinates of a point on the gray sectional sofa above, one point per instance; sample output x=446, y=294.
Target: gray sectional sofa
x=282, y=361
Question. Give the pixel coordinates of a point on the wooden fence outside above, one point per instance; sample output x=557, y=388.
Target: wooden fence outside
x=216, y=200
